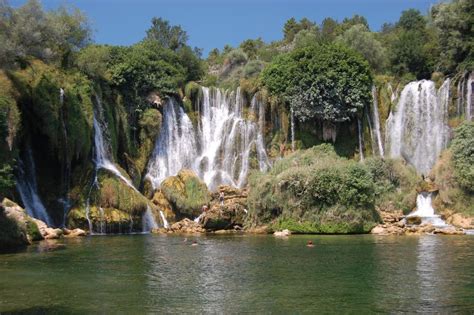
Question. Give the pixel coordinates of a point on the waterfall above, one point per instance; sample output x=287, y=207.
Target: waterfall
x=148, y=221
x=376, y=119
x=219, y=150
x=417, y=129
x=292, y=122
x=361, y=147
x=103, y=152
x=28, y=189
x=425, y=211
x=163, y=219
x=469, y=112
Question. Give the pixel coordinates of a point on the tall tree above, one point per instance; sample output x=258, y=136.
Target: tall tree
x=168, y=36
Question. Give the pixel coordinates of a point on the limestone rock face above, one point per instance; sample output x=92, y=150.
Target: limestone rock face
x=187, y=226
x=229, y=215
x=160, y=201
x=458, y=220
x=186, y=194
x=17, y=229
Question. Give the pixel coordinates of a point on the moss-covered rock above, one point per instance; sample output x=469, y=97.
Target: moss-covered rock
x=186, y=193
x=114, y=207
x=17, y=229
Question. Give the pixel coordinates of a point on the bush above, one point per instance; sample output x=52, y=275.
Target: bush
x=395, y=183
x=315, y=191
x=463, y=155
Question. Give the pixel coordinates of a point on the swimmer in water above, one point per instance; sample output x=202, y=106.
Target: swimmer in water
x=194, y=243
x=310, y=244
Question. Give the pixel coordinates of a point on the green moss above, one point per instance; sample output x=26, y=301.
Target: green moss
x=32, y=230
x=186, y=192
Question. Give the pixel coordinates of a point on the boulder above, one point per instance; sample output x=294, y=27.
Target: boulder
x=458, y=220
x=186, y=226
x=379, y=230
x=414, y=220
x=283, y=233
x=17, y=229
x=186, y=194
x=258, y=230
x=74, y=233
x=449, y=231
x=160, y=201
x=229, y=215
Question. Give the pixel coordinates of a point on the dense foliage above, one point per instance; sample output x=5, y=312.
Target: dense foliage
x=327, y=82
x=463, y=155
x=314, y=191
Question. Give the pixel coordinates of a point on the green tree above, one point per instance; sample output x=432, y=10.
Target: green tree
x=329, y=29
x=168, y=36
x=359, y=38
x=454, y=23
x=327, y=82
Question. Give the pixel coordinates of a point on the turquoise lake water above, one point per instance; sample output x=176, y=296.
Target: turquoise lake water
x=241, y=274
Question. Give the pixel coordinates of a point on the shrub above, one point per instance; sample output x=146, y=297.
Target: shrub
x=315, y=191
x=463, y=155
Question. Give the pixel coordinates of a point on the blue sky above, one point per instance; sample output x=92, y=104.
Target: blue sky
x=214, y=23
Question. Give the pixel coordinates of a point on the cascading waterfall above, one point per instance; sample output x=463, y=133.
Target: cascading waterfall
x=376, y=119
x=469, y=112
x=417, y=129
x=292, y=122
x=148, y=221
x=103, y=160
x=28, y=189
x=103, y=155
x=163, y=219
x=424, y=210
x=361, y=147
x=219, y=151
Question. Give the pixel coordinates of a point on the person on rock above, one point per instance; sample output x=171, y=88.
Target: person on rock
x=204, y=208
x=221, y=198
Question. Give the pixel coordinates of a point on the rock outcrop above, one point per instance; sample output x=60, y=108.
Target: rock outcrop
x=230, y=214
x=17, y=229
x=186, y=194
x=394, y=223
x=186, y=226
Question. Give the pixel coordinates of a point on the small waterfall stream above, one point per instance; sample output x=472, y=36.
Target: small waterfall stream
x=361, y=146
x=417, y=129
x=148, y=221
x=376, y=119
x=28, y=189
x=469, y=111
x=424, y=210
x=219, y=150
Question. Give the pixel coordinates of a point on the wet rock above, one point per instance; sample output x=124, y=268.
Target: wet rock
x=379, y=230
x=160, y=201
x=283, y=233
x=413, y=220
x=186, y=226
x=458, y=220
x=74, y=233
x=186, y=193
x=449, y=231
x=258, y=230
x=17, y=229
x=230, y=215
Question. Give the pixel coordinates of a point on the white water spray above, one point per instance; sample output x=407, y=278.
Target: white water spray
x=417, y=129
x=28, y=189
x=376, y=119
x=219, y=151
x=424, y=210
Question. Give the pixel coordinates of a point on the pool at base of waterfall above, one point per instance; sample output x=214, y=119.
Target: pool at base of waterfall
x=241, y=274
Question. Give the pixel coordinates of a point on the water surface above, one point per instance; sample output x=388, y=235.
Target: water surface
x=241, y=274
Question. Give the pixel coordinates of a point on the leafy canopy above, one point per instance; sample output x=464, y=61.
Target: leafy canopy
x=328, y=82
